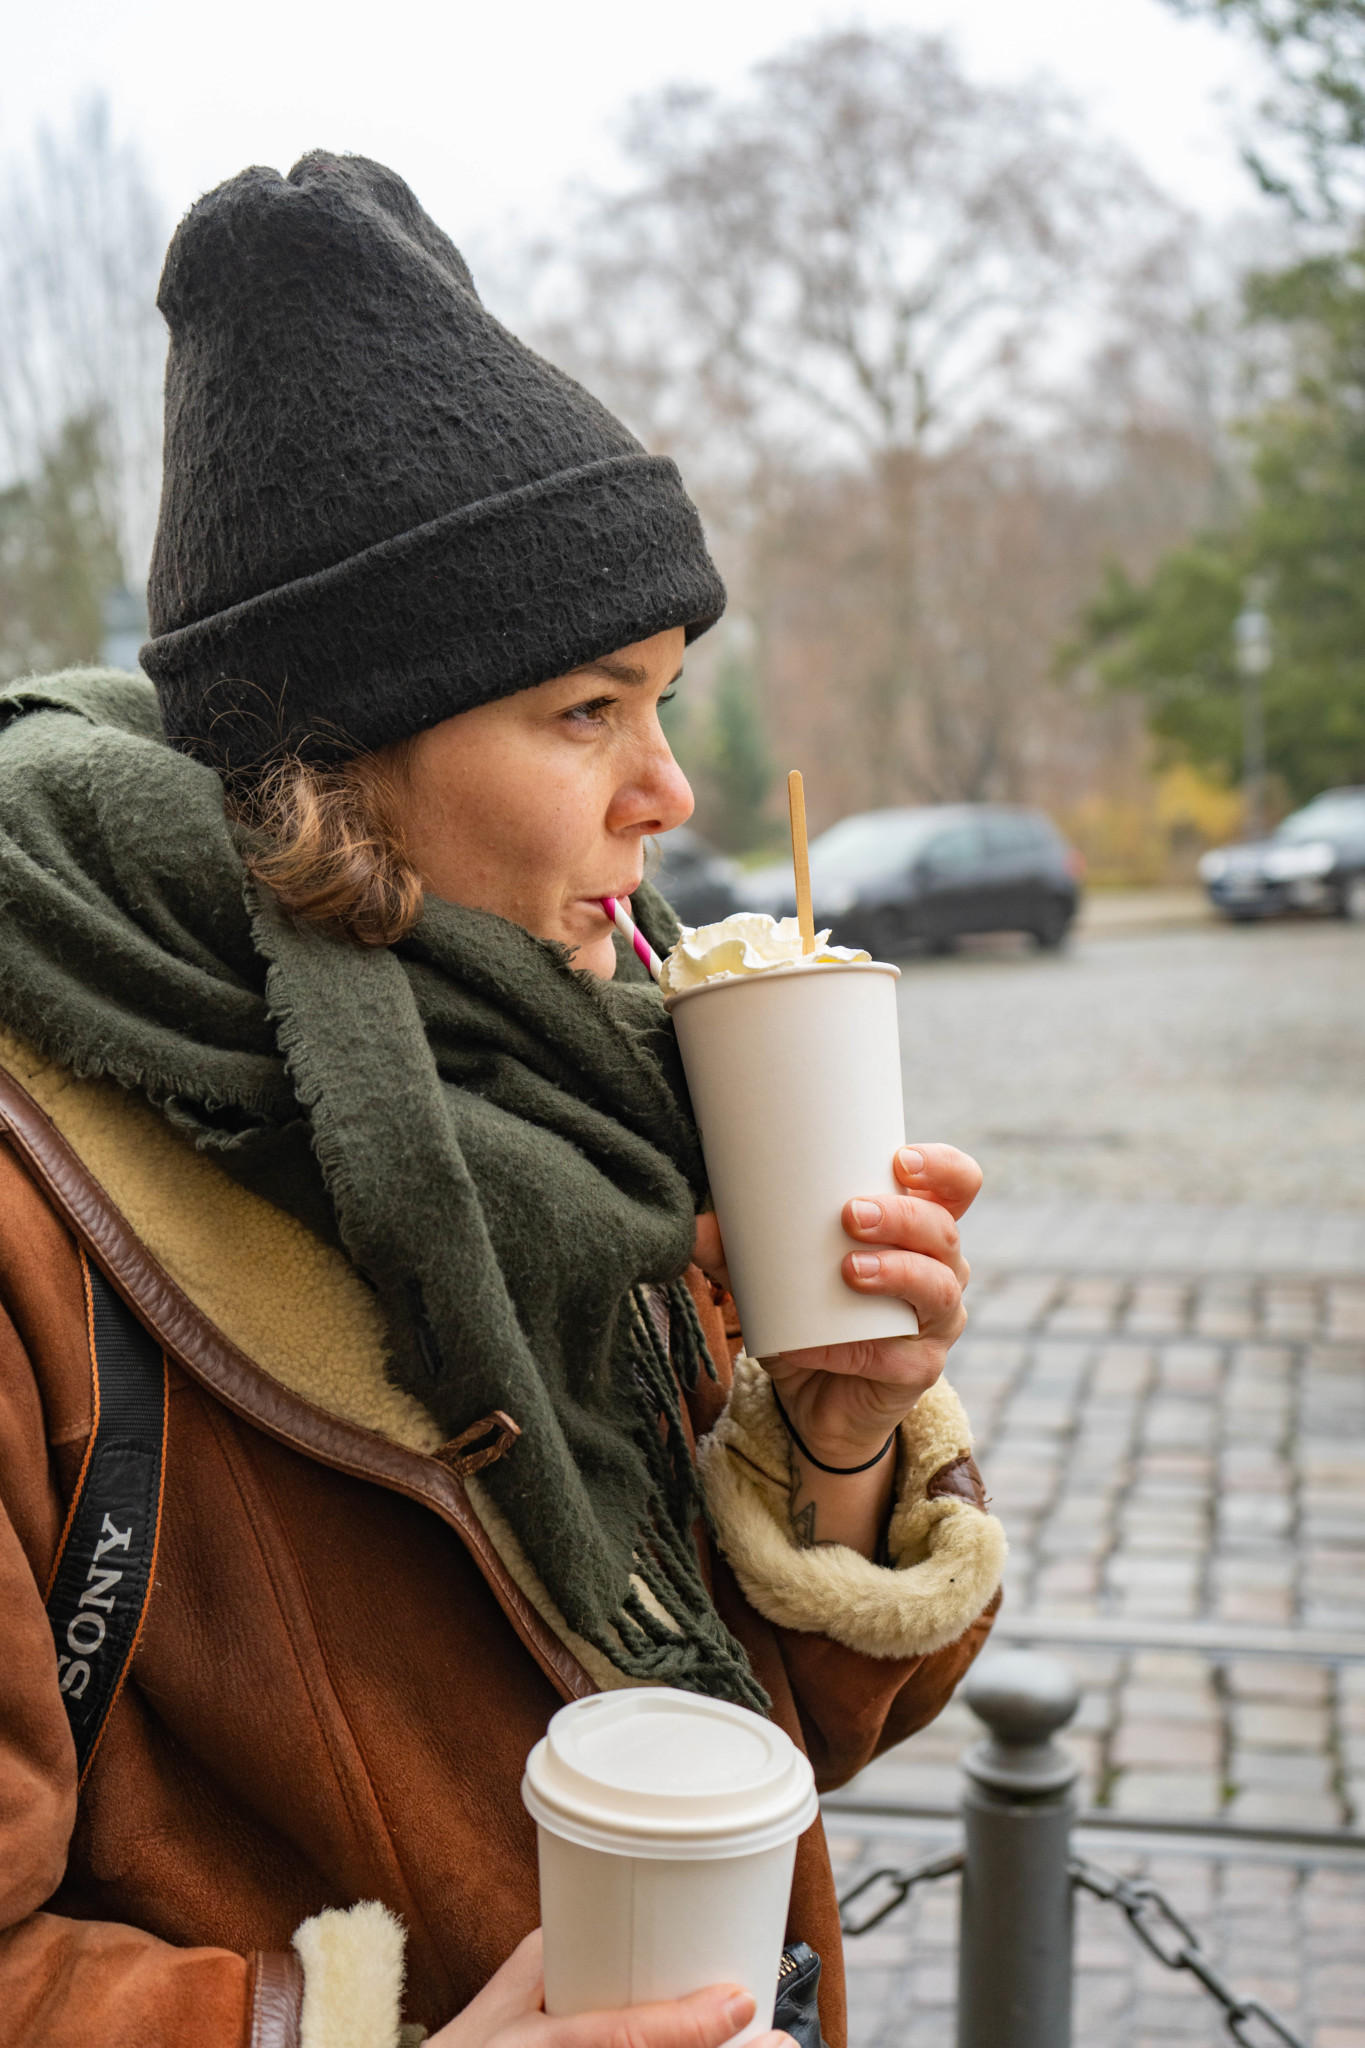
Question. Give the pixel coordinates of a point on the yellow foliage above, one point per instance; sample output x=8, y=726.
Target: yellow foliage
x=1118, y=837
x=1191, y=806
x=1154, y=833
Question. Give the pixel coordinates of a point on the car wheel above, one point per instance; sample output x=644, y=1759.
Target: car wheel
x=1352, y=898
x=1052, y=927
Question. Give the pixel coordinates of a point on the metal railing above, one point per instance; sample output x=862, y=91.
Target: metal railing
x=1020, y=1877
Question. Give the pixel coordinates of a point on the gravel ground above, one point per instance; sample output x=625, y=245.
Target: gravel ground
x=1207, y=1065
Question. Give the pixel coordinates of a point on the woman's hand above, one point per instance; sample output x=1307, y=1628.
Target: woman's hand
x=845, y=1400
x=508, y=2014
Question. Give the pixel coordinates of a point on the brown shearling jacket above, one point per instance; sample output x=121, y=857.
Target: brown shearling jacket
x=340, y=1673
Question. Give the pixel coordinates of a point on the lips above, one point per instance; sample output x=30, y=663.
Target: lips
x=621, y=895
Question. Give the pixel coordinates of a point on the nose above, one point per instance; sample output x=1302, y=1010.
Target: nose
x=657, y=796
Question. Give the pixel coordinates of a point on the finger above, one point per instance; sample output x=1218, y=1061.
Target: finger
x=707, y=1250
x=859, y=1387
x=941, y=1173
x=703, y=2020
x=910, y=1222
x=927, y=1284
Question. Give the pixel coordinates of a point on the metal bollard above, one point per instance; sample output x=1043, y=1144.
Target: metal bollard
x=1014, y=1953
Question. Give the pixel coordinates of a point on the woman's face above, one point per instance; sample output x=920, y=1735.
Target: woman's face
x=538, y=805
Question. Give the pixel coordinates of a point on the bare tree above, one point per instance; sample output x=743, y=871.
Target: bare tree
x=1012, y=539
x=81, y=242
x=818, y=291
x=867, y=250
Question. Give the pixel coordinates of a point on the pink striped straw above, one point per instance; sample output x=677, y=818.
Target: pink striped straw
x=626, y=925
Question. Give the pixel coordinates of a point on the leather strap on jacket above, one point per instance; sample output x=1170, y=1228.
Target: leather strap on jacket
x=276, y=2000
x=102, y=1578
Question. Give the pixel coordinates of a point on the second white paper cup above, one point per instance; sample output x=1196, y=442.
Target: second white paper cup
x=795, y=1078
x=667, y=1825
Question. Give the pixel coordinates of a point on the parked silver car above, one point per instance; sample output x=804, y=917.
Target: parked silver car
x=1313, y=860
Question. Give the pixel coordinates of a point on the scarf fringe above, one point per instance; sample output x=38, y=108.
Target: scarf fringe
x=688, y=1644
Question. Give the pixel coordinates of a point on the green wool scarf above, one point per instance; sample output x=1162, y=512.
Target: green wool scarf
x=501, y=1143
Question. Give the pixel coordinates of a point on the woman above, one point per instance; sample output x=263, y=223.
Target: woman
x=362, y=1310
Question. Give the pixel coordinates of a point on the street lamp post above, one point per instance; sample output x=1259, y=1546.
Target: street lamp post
x=1251, y=638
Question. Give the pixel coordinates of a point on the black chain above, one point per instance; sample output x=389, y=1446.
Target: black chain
x=902, y=1883
x=1152, y=1917
x=1172, y=1940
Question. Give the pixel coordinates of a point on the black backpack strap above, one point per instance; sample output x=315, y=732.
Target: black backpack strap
x=102, y=1579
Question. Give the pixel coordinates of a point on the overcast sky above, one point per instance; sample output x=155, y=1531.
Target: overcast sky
x=490, y=109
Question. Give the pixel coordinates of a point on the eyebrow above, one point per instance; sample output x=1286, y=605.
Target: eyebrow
x=616, y=670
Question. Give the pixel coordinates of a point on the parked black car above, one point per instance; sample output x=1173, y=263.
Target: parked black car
x=1313, y=860
x=894, y=881
x=698, y=881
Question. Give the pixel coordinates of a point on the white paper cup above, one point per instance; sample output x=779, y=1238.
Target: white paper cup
x=795, y=1078
x=667, y=1825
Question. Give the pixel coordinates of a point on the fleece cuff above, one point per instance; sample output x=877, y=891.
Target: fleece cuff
x=352, y=1979
x=946, y=1555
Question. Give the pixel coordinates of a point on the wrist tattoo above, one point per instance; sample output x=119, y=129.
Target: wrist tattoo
x=801, y=1519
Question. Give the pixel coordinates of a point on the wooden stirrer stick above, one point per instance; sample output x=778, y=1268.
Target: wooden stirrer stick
x=796, y=804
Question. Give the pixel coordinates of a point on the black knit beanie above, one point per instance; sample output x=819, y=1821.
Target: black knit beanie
x=378, y=507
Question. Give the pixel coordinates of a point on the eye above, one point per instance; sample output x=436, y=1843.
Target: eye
x=669, y=694
x=589, y=713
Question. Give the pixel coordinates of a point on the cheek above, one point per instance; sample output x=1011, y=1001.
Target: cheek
x=556, y=830
x=528, y=813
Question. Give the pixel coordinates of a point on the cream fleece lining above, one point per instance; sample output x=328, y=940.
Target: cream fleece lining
x=352, y=1960
x=299, y=1310
x=295, y=1306
x=946, y=1555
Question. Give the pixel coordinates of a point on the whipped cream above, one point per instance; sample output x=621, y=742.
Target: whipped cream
x=748, y=942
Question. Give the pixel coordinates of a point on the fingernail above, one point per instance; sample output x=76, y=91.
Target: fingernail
x=739, y=2009
x=911, y=1162
x=867, y=1215
x=866, y=1265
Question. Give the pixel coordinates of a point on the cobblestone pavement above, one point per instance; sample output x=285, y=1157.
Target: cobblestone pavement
x=1182, y=1457
x=1202, y=1066
x=1167, y=1240
x=1176, y=1451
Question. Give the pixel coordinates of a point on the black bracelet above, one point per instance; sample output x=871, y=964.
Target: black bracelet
x=839, y=1471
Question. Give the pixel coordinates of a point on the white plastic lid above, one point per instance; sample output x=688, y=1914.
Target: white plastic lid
x=653, y=1771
